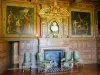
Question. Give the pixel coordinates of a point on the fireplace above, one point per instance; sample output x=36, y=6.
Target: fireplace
x=54, y=49
x=55, y=55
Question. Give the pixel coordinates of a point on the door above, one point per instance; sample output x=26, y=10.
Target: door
x=13, y=54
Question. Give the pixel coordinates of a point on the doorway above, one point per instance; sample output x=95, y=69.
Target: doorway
x=13, y=47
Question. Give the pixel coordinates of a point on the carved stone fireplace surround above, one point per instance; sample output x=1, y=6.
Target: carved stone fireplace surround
x=53, y=43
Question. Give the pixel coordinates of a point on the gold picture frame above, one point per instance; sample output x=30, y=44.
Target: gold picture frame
x=81, y=23
x=98, y=23
x=19, y=19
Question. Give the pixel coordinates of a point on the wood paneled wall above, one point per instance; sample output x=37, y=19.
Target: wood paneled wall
x=86, y=47
x=3, y=56
x=98, y=50
x=28, y=46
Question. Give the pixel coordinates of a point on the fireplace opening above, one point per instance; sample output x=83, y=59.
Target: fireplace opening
x=55, y=55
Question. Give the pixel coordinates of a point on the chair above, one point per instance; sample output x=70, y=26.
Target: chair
x=43, y=65
x=27, y=63
x=68, y=60
x=77, y=59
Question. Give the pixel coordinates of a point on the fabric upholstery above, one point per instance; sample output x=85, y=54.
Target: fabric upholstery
x=77, y=58
x=27, y=62
x=42, y=63
x=68, y=59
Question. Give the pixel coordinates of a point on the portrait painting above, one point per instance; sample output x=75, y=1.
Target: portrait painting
x=19, y=19
x=80, y=23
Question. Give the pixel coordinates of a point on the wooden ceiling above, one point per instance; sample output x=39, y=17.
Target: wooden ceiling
x=60, y=2
x=63, y=0
x=50, y=1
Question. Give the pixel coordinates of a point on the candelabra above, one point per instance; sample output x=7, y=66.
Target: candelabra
x=37, y=36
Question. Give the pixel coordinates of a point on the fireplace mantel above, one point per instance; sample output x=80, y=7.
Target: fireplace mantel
x=53, y=48
x=53, y=43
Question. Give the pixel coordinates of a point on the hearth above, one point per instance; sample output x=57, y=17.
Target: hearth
x=53, y=70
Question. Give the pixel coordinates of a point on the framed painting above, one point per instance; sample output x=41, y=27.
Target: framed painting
x=81, y=23
x=19, y=20
x=98, y=23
